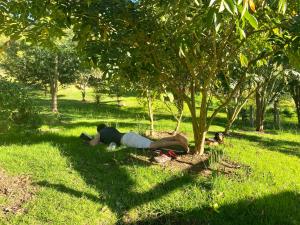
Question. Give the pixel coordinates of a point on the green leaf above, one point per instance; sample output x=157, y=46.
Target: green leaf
x=211, y=3
x=242, y=33
x=232, y=6
x=282, y=5
x=218, y=27
x=197, y=3
x=227, y=7
x=250, y=18
x=222, y=7
x=243, y=60
x=181, y=52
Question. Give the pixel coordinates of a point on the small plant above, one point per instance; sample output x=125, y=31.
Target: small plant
x=216, y=154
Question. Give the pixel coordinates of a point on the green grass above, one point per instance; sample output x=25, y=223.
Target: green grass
x=78, y=184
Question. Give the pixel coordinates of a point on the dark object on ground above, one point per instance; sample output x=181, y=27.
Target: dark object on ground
x=85, y=137
x=218, y=139
x=177, y=149
x=168, y=153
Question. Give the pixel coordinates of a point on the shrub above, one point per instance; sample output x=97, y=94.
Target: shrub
x=288, y=112
x=16, y=106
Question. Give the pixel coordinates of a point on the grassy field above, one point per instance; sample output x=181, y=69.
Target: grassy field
x=77, y=184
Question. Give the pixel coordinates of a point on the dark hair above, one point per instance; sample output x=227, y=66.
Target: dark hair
x=101, y=126
x=219, y=137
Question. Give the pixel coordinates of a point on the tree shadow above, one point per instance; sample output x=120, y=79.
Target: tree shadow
x=281, y=208
x=282, y=146
x=106, y=172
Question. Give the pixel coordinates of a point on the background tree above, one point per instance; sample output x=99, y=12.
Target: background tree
x=35, y=65
x=201, y=38
x=294, y=89
x=270, y=85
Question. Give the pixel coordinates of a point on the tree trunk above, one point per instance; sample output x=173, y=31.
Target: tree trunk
x=233, y=113
x=45, y=90
x=200, y=138
x=251, y=116
x=295, y=91
x=230, y=119
x=83, y=93
x=150, y=112
x=54, y=87
x=276, y=115
x=178, y=120
x=118, y=100
x=244, y=117
x=97, y=97
x=259, y=112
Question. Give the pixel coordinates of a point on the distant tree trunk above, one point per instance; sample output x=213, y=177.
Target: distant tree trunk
x=295, y=92
x=260, y=111
x=244, y=117
x=97, y=98
x=54, y=86
x=251, y=116
x=233, y=112
x=45, y=90
x=119, y=101
x=83, y=93
x=276, y=115
x=150, y=112
x=231, y=116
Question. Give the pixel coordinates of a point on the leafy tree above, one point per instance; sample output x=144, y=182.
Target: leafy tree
x=181, y=44
x=40, y=66
x=270, y=85
x=294, y=89
x=17, y=106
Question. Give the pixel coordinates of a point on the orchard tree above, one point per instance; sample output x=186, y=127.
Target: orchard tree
x=36, y=65
x=185, y=44
x=200, y=39
x=294, y=89
x=82, y=82
x=271, y=84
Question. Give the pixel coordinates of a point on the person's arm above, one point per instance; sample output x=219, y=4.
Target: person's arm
x=95, y=140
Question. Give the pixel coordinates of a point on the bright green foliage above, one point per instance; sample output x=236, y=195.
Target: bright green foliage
x=16, y=106
x=77, y=184
x=35, y=65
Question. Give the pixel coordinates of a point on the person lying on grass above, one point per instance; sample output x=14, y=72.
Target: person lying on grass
x=107, y=135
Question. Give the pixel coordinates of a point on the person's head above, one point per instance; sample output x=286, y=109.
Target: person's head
x=219, y=137
x=101, y=126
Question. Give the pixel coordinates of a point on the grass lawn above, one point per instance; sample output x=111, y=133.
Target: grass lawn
x=78, y=184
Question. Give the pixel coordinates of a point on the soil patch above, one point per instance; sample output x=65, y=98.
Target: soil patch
x=197, y=164
x=192, y=163
x=15, y=191
x=160, y=134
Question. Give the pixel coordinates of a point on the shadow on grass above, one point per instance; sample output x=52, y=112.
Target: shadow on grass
x=282, y=208
x=70, y=109
x=282, y=146
x=105, y=171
